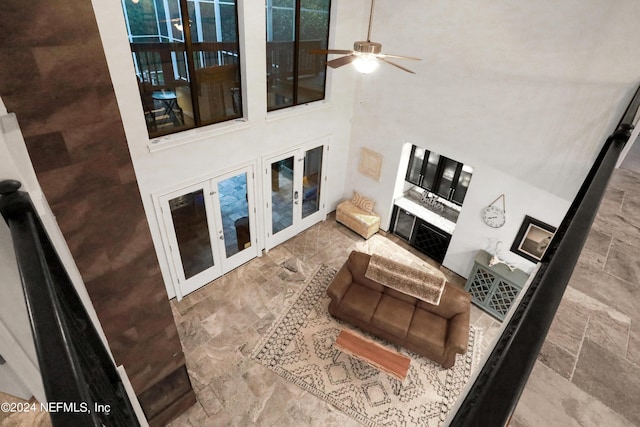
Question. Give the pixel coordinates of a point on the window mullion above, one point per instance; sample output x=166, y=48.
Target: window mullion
x=296, y=52
x=190, y=65
x=218, y=15
x=155, y=12
x=126, y=22
x=269, y=12
x=200, y=36
x=198, y=19
x=168, y=23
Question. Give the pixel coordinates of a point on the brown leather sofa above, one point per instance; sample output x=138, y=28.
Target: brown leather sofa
x=437, y=332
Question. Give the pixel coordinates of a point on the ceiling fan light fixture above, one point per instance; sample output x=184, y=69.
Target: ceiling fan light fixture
x=366, y=63
x=367, y=47
x=365, y=56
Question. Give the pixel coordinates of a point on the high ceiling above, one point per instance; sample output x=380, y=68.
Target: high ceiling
x=531, y=88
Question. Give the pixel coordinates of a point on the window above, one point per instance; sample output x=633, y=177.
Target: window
x=187, y=61
x=295, y=27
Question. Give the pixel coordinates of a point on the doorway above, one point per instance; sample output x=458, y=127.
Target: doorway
x=210, y=228
x=293, y=192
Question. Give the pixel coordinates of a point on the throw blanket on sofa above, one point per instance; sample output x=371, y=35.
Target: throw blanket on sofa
x=420, y=284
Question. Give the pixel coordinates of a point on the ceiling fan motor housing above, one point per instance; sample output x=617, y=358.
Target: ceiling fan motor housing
x=367, y=47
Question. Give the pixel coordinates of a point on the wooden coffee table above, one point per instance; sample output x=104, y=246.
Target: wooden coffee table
x=377, y=355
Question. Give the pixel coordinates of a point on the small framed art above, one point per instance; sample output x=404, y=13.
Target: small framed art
x=370, y=163
x=533, y=239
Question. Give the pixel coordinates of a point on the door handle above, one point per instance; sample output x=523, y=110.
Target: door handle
x=295, y=197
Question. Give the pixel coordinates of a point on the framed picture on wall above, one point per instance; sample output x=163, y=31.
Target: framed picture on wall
x=533, y=239
x=370, y=163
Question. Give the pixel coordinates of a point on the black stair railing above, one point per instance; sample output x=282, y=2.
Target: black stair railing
x=494, y=395
x=81, y=383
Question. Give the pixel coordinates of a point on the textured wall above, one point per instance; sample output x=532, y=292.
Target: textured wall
x=54, y=76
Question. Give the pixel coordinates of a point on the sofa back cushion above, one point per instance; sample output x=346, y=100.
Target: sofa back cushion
x=454, y=300
x=358, y=263
x=401, y=296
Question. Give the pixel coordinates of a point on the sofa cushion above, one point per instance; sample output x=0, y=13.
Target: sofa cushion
x=360, y=302
x=426, y=285
x=454, y=300
x=399, y=295
x=428, y=330
x=393, y=315
x=358, y=263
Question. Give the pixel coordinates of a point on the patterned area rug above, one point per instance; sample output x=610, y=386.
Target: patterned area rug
x=299, y=347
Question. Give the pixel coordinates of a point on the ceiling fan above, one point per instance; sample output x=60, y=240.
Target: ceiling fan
x=366, y=55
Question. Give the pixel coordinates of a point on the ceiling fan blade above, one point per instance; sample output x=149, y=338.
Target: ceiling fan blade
x=401, y=57
x=343, y=60
x=330, y=51
x=396, y=65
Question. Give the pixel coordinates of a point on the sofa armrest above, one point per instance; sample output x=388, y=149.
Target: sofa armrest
x=340, y=284
x=458, y=333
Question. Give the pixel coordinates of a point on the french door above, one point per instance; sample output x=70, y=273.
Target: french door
x=293, y=192
x=210, y=228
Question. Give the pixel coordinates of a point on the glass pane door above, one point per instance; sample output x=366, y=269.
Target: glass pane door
x=210, y=228
x=282, y=193
x=294, y=192
x=446, y=179
x=462, y=184
x=430, y=171
x=234, y=205
x=415, y=165
x=311, y=181
x=191, y=246
x=234, y=209
x=189, y=219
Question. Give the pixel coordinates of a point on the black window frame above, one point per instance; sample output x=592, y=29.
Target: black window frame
x=188, y=60
x=296, y=62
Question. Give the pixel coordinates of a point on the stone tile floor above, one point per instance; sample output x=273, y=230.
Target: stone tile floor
x=588, y=372
x=221, y=323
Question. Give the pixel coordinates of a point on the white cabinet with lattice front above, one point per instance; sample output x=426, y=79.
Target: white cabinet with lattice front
x=494, y=289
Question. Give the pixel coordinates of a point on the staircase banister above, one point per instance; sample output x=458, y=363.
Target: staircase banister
x=493, y=396
x=77, y=372
x=62, y=377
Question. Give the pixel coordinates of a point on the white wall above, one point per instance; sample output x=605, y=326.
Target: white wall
x=171, y=161
x=526, y=94
x=471, y=233
x=11, y=384
x=521, y=199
